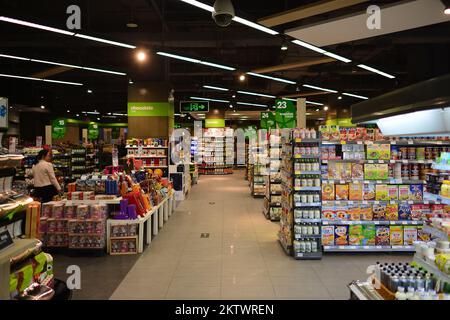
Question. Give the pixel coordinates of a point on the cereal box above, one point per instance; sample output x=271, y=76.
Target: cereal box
x=343, y=133
x=379, y=152
x=325, y=132
x=396, y=235
x=404, y=212
x=392, y=212
x=341, y=235
x=369, y=192
x=327, y=235
x=342, y=213
x=355, y=235
x=381, y=192
x=416, y=212
x=369, y=233
x=346, y=171
x=328, y=214
x=416, y=192
x=409, y=235
x=366, y=212
x=360, y=133
x=342, y=191
x=422, y=235
x=403, y=192
x=354, y=213
x=379, y=211
x=357, y=171
x=352, y=134
x=393, y=192
x=355, y=191
x=382, y=237
x=370, y=135
x=328, y=191
x=335, y=134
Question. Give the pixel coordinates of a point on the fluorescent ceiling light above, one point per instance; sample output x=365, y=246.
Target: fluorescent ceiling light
x=62, y=64
x=355, y=96
x=200, y=5
x=309, y=46
x=256, y=94
x=319, y=88
x=120, y=114
x=216, y=88
x=39, y=79
x=289, y=99
x=270, y=78
x=208, y=99
x=337, y=57
x=176, y=56
x=36, y=26
x=64, y=32
x=384, y=74
x=314, y=103
x=91, y=112
x=255, y=26
x=252, y=104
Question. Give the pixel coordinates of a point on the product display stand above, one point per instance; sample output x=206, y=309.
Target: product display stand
x=259, y=170
x=153, y=153
x=78, y=162
x=216, y=147
x=272, y=200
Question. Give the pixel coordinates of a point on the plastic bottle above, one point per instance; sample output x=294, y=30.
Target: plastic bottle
x=410, y=293
x=400, y=295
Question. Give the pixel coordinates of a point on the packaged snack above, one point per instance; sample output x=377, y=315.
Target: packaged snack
x=325, y=132
x=382, y=236
x=370, y=172
x=393, y=192
x=392, y=212
x=327, y=235
x=82, y=212
x=346, y=172
x=335, y=134
x=366, y=212
x=396, y=236
x=354, y=213
x=404, y=212
x=341, y=235
x=343, y=133
x=355, y=235
x=351, y=134
x=379, y=136
x=409, y=235
x=58, y=211
x=328, y=191
x=357, y=171
x=369, y=234
x=70, y=211
x=379, y=152
x=328, y=214
x=99, y=211
x=381, y=192
x=355, y=191
x=370, y=135
x=342, y=213
x=369, y=192
x=416, y=192
x=422, y=235
x=342, y=191
x=416, y=212
x=47, y=209
x=379, y=211
x=360, y=133
x=437, y=210
x=403, y=192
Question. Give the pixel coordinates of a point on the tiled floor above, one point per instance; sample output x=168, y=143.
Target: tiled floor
x=240, y=260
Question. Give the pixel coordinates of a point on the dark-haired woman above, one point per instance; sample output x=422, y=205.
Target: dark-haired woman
x=45, y=182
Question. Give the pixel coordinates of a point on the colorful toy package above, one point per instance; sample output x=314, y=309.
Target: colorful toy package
x=327, y=235
x=416, y=192
x=409, y=235
x=355, y=235
x=403, y=192
x=341, y=235
x=369, y=235
x=382, y=236
x=396, y=235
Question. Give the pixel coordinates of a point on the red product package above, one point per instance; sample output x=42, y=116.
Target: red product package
x=417, y=211
x=343, y=133
x=136, y=199
x=437, y=210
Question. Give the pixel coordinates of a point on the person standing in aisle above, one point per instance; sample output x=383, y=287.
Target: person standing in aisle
x=45, y=182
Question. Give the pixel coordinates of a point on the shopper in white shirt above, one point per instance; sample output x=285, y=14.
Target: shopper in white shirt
x=45, y=183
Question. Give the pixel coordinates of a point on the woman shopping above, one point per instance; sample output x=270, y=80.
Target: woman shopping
x=45, y=182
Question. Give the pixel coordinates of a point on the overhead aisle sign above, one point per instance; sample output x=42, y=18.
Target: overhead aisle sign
x=268, y=120
x=286, y=113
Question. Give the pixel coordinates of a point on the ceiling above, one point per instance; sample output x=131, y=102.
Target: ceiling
x=176, y=27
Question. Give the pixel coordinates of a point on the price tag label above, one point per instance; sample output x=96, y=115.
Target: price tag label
x=379, y=247
x=365, y=202
x=377, y=202
x=300, y=255
x=410, y=202
x=379, y=181
x=366, y=247
x=405, y=161
x=370, y=161
x=421, y=161
x=426, y=202
x=394, y=142
x=342, y=247
x=359, y=142
x=392, y=161
x=369, y=142
x=438, y=142
x=343, y=142
x=410, y=142
x=380, y=161
x=350, y=202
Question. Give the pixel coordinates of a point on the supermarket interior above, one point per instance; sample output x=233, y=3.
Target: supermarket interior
x=225, y=150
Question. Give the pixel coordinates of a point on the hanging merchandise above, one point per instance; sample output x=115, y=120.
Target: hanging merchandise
x=59, y=128
x=286, y=113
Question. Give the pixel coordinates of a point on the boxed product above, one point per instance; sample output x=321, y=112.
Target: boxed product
x=366, y=212
x=409, y=235
x=404, y=212
x=392, y=212
x=325, y=132
x=396, y=236
x=357, y=171
x=437, y=210
x=346, y=171
x=360, y=133
x=417, y=211
x=370, y=135
x=342, y=213
x=381, y=192
x=379, y=211
x=352, y=134
x=355, y=191
x=416, y=192
x=354, y=213
x=422, y=235
x=392, y=192
x=335, y=134
x=369, y=192
x=343, y=134
x=327, y=235
x=355, y=235
x=341, y=235
x=369, y=235
x=403, y=192
x=328, y=191
x=82, y=212
x=382, y=237
x=376, y=171
x=378, y=151
x=342, y=191
x=328, y=214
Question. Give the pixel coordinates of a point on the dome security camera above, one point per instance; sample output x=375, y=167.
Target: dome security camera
x=223, y=12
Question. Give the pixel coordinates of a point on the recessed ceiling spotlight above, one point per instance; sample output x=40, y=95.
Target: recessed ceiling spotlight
x=325, y=108
x=242, y=78
x=68, y=111
x=231, y=106
x=340, y=98
x=109, y=113
x=98, y=119
x=317, y=110
x=141, y=56
x=42, y=107
x=89, y=91
x=131, y=82
x=446, y=6
x=78, y=115
x=284, y=45
x=234, y=96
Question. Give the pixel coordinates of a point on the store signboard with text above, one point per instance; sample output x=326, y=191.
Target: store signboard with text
x=286, y=113
x=149, y=109
x=59, y=128
x=4, y=113
x=215, y=123
x=268, y=120
x=93, y=131
x=194, y=106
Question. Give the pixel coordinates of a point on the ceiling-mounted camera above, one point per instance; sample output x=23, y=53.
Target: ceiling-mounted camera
x=223, y=12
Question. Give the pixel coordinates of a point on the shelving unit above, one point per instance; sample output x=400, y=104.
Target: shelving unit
x=78, y=162
x=152, y=156
x=259, y=154
x=216, y=149
x=272, y=199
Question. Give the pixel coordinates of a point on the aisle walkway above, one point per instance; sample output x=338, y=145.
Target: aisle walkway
x=241, y=259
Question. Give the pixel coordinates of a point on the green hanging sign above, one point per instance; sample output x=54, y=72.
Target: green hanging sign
x=286, y=114
x=93, y=131
x=59, y=128
x=268, y=120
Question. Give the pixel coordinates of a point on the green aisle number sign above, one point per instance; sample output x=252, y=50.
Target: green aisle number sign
x=194, y=106
x=286, y=113
x=93, y=131
x=268, y=120
x=58, y=128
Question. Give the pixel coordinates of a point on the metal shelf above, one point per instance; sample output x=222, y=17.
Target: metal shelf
x=298, y=220
x=315, y=236
x=432, y=269
x=296, y=173
x=388, y=181
x=307, y=188
x=350, y=202
x=302, y=205
x=437, y=233
x=307, y=255
x=368, y=248
x=364, y=222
